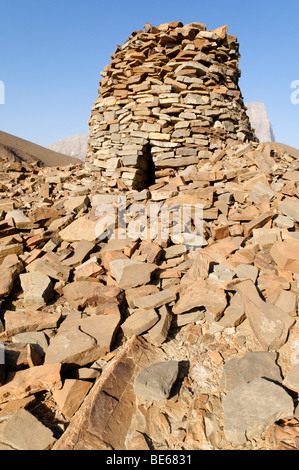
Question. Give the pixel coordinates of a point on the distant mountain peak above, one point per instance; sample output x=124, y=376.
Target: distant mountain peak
x=259, y=120
x=74, y=146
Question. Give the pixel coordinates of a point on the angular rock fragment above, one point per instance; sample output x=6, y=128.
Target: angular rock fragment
x=52, y=270
x=151, y=301
x=81, y=229
x=82, y=293
x=159, y=332
x=270, y=324
x=156, y=381
x=234, y=314
x=29, y=381
x=71, y=396
x=202, y=294
x=80, y=341
x=251, y=366
x=130, y=273
x=110, y=402
x=252, y=408
x=22, y=431
x=82, y=250
x=37, y=288
x=290, y=208
x=291, y=381
x=139, y=322
x=9, y=270
x=20, y=321
x=11, y=407
x=285, y=255
x=142, y=291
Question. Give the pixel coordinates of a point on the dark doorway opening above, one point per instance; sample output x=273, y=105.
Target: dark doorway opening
x=146, y=174
x=151, y=169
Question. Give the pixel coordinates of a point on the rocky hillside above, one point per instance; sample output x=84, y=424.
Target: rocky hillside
x=198, y=349
x=19, y=150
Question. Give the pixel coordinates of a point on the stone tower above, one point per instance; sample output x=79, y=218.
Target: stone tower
x=168, y=101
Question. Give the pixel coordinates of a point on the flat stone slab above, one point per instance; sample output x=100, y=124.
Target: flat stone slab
x=37, y=287
x=71, y=396
x=129, y=273
x=269, y=323
x=252, y=408
x=81, y=229
x=9, y=270
x=26, y=382
x=22, y=431
x=290, y=208
x=156, y=381
x=159, y=332
x=106, y=419
x=79, y=294
x=155, y=300
x=291, y=381
x=142, y=291
x=80, y=341
x=21, y=321
x=201, y=294
x=53, y=270
x=139, y=322
x=251, y=366
x=82, y=250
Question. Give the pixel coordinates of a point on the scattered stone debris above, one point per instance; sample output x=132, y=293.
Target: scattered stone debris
x=91, y=305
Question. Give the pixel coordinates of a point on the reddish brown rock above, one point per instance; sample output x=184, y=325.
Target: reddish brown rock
x=20, y=321
x=285, y=255
x=105, y=419
x=82, y=293
x=139, y=322
x=80, y=341
x=270, y=324
x=9, y=270
x=202, y=294
x=29, y=381
x=71, y=396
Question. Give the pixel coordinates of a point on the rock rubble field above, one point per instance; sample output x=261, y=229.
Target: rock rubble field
x=146, y=342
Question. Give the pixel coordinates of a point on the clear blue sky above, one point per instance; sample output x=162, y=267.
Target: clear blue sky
x=52, y=53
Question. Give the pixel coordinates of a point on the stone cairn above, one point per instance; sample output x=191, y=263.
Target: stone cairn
x=168, y=100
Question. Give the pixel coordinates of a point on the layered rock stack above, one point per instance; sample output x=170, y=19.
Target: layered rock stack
x=169, y=100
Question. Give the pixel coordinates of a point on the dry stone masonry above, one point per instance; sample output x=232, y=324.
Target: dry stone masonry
x=168, y=100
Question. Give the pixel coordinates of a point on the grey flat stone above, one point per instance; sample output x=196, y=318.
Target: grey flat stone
x=156, y=381
x=249, y=367
x=252, y=408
